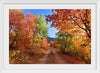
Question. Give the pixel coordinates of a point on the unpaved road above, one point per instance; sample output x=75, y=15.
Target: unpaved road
x=52, y=57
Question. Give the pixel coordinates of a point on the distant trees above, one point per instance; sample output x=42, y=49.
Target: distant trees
x=52, y=44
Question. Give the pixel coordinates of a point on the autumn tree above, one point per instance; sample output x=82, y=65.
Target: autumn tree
x=72, y=20
x=15, y=17
x=41, y=26
x=44, y=43
x=63, y=40
x=42, y=32
x=29, y=31
x=52, y=44
x=78, y=23
x=22, y=29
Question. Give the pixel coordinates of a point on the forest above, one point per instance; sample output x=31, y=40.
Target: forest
x=30, y=43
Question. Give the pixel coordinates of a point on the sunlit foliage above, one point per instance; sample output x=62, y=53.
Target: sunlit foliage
x=26, y=34
x=77, y=23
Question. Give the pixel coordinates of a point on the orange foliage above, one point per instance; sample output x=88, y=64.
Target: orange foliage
x=23, y=28
x=52, y=44
x=44, y=43
x=72, y=20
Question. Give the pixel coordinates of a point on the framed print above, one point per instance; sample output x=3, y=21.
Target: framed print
x=50, y=36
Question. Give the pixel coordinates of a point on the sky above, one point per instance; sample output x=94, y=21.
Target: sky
x=52, y=30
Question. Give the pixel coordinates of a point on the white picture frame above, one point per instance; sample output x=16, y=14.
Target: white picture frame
x=6, y=4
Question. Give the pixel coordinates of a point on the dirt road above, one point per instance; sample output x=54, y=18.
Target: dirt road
x=52, y=57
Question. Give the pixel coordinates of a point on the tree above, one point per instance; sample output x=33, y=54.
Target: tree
x=41, y=26
x=52, y=44
x=15, y=17
x=28, y=30
x=44, y=43
x=72, y=20
x=22, y=29
x=63, y=40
